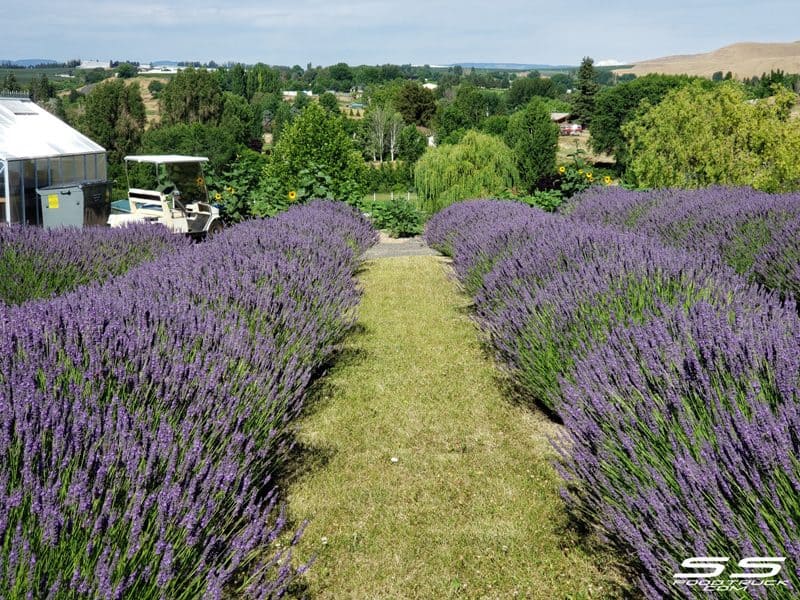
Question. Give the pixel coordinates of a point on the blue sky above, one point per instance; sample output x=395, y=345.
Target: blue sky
x=377, y=31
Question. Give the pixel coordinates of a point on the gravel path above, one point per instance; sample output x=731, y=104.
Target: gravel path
x=391, y=247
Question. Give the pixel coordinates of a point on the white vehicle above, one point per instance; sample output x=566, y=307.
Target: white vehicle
x=171, y=190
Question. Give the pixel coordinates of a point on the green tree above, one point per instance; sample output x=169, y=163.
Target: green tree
x=329, y=102
x=562, y=82
x=275, y=117
x=478, y=166
x=42, y=89
x=525, y=88
x=698, y=137
x=617, y=105
x=10, y=83
x=341, y=77
x=415, y=103
x=533, y=138
x=114, y=117
x=313, y=156
x=262, y=79
x=240, y=120
x=301, y=101
x=197, y=139
x=192, y=96
x=384, y=94
x=126, y=71
x=155, y=87
x=96, y=75
x=237, y=80
x=468, y=110
x=412, y=144
x=586, y=89
x=376, y=126
x=495, y=125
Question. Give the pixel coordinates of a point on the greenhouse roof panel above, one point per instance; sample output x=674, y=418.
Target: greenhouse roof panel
x=29, y=131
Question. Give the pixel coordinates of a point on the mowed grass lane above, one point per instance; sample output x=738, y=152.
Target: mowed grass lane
x=429, y=483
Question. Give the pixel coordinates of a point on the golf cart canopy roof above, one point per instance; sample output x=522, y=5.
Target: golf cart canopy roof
x=165, y=158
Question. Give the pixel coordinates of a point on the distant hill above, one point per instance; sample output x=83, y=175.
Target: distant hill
x=28, y=62
x=746, y=59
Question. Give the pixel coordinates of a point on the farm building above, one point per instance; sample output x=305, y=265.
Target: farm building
x=38, y=150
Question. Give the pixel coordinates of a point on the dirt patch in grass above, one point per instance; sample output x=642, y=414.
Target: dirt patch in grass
x=568, y=144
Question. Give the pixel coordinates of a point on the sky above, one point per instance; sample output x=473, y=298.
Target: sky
x=324, y=32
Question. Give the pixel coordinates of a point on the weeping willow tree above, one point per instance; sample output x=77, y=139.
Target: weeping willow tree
x=479, y=166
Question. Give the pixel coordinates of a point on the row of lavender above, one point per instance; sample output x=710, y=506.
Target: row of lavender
x=40, y=263
x=676, y=380
x=757, y=234
x=142, y=421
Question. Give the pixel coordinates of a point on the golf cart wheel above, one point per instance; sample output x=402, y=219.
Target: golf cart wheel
x=215, y=228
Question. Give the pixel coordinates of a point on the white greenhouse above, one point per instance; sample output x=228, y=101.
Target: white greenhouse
x=38, y=151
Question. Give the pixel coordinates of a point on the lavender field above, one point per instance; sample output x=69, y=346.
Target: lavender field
x=662, y=330
x=146, y=408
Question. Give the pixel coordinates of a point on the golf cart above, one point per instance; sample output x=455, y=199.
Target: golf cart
x=168, y=189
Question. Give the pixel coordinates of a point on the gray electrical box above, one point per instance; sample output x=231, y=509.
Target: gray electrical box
x=75, y=204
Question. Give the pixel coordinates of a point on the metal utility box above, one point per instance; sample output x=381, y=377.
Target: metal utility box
x=76, y=204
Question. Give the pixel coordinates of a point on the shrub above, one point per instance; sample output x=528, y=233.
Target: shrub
x=533, y=138
x=682, y=442
x=144, y=420
x=777, y=265
x=480, y=165
x=314, y=158
x=698, y=137
x=40, y=263
x=736, y=225
x=544, y=312
x=399, y=216
x=677, y=382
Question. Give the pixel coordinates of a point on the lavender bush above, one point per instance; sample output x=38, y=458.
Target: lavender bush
x=737, y=224
x=541, y=320
x=39, y=263
x=678, y=381
x=682, y=441
x=777, y=266
x=144, y=420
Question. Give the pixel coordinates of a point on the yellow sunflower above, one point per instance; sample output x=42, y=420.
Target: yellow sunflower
x=199, y=181
x=292, y=196
x=562, y=170
x=217, y=196
x=607, y=180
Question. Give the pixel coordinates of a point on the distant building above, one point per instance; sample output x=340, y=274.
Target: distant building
x=430, y=86
x=39, y=150
x=291, y=94
x=95, y=64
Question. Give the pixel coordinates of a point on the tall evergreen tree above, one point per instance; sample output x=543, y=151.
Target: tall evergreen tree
x=587, y=86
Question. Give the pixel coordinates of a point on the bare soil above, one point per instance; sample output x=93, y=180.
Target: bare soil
x=745, y=59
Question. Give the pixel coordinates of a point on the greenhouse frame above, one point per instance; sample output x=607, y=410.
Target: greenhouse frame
x=38, y=150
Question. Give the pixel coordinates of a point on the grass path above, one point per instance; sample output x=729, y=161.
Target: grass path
x=432, y=485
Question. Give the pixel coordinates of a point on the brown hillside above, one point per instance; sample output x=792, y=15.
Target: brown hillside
x=745, y=59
